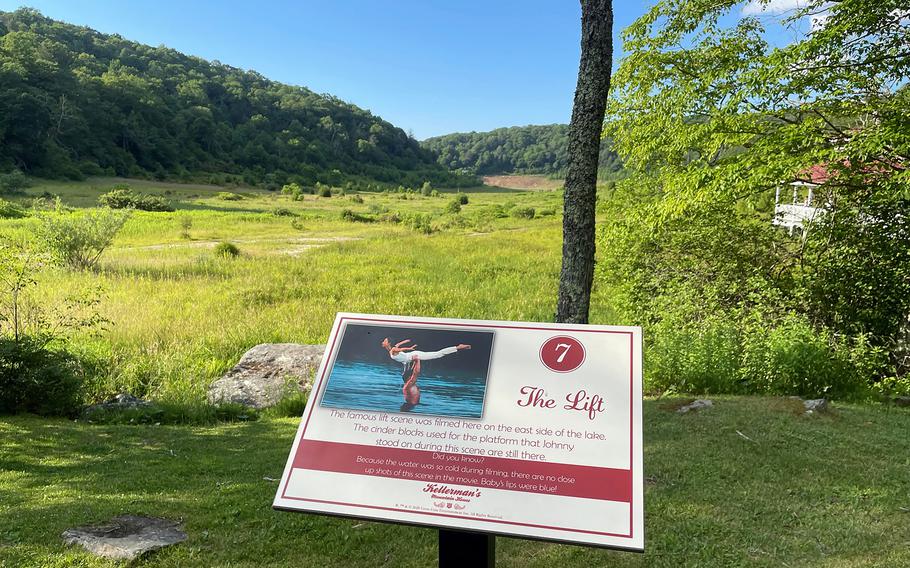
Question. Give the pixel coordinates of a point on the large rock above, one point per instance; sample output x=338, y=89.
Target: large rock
x=816, y=405
x=126, y=537
x=266, y=373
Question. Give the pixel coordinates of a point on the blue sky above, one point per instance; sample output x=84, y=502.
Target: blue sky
x=431, y=66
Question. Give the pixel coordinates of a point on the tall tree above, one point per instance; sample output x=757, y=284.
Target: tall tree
x=584, y=149
x=707, y=112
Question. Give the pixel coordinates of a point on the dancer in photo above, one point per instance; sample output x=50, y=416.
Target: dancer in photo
x=408, y=356
x=410, y=390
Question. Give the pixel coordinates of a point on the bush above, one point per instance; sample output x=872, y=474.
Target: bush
x=186, y=223
x=227, y=250
x=10, y=210
x=36, y=379
x=351, y=216
x=282, y=212
x=122, y=197
x=77, y=240
x=420, y=222
x=520, y=212
x=13, y=182
x=453, y=206
x=426, y=189
x=228, y=196
x=462, y=198
x=356, y=199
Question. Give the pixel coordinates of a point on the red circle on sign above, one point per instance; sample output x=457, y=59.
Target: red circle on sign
x=562, y=353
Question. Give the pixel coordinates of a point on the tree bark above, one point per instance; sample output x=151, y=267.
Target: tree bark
x=580, y=197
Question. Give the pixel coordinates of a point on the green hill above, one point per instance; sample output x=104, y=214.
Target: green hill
x=518, y=149
x=75, y=102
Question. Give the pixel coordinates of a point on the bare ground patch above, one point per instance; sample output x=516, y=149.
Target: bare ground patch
x=529, y=182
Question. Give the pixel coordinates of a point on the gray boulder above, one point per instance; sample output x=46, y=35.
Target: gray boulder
x=126, y=537
x=266, y=373
x=816, y=405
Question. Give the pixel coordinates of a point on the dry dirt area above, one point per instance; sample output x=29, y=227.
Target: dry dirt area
x=531, y=182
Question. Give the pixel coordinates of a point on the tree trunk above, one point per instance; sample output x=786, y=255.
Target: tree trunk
x=577, y=274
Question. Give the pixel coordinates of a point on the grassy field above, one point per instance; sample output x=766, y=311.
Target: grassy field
x=749, y=482
x=180, y=315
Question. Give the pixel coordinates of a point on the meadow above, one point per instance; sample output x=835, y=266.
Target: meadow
x=179, y=314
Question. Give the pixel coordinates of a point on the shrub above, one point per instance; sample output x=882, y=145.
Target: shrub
x=282, y=212
x=294, y=191
x=122, y=197
x=77, y=240
x=229, y=196
x=325, y=191
x=453, y=206
x=356, y=199
x=36, y=379
x=10, y=210
x=520, y=212
x=118, y=198
x=13, y=182
x=462, y=198
x=426, y=189
x=186, y=223
x=548, y=212
x=420, y=222
x=348, y=215
x=227, y=250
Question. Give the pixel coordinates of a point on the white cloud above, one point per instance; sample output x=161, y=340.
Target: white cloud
x=776, y=7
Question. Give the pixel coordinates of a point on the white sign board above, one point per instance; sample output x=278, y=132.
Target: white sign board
x=523, y=429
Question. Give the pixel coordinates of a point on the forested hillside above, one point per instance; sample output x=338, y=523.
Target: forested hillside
x=518, y=149
x=75, y=102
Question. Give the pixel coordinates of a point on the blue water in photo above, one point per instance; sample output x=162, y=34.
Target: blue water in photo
x=366, y=386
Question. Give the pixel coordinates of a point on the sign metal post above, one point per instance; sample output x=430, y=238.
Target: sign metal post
x=458, y=549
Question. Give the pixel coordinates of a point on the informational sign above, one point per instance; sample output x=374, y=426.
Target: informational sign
x=522, y=429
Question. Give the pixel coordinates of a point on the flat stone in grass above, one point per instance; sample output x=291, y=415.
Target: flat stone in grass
x=698, y=404
x=122, y=401
x=126, y=537
x=266, y=372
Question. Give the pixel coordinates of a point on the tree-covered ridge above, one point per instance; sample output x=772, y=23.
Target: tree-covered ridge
x=76, y=102
x=518, y=149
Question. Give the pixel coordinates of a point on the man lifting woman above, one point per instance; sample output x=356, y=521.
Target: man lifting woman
x=408, y=356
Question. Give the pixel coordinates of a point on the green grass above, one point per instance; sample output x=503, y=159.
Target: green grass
x=826, y=491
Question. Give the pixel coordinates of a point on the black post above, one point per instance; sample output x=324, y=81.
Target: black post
x=459, y=549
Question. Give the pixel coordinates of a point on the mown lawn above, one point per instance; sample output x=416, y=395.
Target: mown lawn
x=749, y=482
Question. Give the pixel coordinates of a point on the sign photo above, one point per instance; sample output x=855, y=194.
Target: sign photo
x=521, y=429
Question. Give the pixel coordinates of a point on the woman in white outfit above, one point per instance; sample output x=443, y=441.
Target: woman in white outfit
x=410, y=358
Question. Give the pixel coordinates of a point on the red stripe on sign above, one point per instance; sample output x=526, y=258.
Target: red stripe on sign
x=444, y=468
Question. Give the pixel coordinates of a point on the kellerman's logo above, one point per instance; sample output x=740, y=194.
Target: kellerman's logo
x=437, y=489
